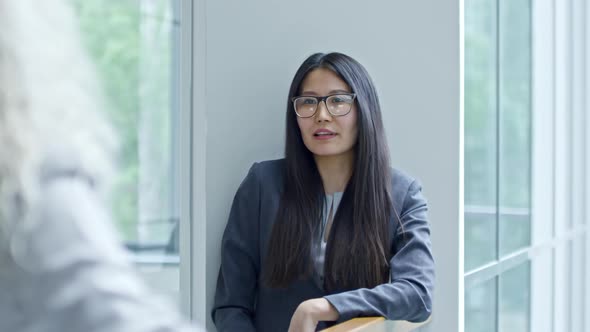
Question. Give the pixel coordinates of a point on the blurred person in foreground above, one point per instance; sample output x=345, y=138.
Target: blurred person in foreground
x=62, y=266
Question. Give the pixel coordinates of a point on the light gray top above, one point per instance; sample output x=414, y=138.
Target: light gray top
x=319, y=248
x=65, y=270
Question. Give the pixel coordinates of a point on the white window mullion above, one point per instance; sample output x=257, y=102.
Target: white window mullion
x=577, y=159
x=561, y=117
x=542, y=128
x=586, y=91
x=542, y=163
x=577, y=132
x=562, y=196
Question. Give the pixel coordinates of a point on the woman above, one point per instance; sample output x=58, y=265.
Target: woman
x=61, y=265
x=330, y=232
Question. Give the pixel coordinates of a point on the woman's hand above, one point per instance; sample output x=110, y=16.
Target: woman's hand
x=310, y=312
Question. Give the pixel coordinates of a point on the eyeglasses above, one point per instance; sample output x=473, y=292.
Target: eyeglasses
x=337, y=104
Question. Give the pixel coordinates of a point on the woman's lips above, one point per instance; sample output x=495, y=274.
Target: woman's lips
x=324, y=134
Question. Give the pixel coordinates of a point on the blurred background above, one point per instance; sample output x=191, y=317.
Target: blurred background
x=484, y=101
x=135, y=48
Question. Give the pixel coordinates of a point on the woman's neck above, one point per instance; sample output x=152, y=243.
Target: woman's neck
x=335, y=171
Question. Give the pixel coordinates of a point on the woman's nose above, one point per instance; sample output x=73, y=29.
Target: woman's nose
x=322, y=114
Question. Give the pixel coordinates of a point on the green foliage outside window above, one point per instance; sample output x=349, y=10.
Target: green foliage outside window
x=130, y=44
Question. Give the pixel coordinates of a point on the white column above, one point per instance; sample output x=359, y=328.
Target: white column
x=586, y=93
x=577, y=169
x=542, y=164
x=562, y=113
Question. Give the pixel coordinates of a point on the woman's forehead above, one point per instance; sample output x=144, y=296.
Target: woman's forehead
x=323, y=81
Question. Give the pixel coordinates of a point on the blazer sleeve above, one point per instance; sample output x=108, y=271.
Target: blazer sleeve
x=235, y=295
x=408, y=296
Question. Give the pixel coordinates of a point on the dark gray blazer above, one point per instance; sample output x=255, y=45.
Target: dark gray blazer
x=243, y=304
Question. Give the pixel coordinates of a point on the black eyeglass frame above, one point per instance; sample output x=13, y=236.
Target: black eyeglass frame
x=319, y=100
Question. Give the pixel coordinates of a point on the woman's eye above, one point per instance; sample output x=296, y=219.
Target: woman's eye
x=340, y=99
x=309, y=101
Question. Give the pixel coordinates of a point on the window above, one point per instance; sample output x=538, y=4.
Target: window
x=134, y=45
x=497, y=164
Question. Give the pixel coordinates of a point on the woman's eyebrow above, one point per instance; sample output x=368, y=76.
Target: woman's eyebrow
x=312, y=93
x=308, y=93
x=339, y=91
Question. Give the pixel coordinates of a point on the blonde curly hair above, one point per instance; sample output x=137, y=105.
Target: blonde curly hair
x=49, y=100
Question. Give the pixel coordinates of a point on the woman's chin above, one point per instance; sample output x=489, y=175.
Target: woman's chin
x=326, y=152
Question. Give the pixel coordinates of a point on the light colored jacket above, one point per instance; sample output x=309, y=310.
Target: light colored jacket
x=64, y=269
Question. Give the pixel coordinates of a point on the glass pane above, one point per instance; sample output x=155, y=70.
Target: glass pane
x=480, y=131
x=515, y=230
x=134, y=47
x=515, y=120
x=515, y=299
x=480, y=308
x=480, y=245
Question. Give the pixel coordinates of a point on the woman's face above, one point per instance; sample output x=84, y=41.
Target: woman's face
x=323, y=133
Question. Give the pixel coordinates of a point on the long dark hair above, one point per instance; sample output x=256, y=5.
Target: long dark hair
x=357, y=253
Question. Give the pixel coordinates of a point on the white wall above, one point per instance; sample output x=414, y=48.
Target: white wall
x=246, y=54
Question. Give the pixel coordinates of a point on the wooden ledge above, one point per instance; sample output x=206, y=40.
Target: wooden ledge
x=355, y=324
x=375, y=324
